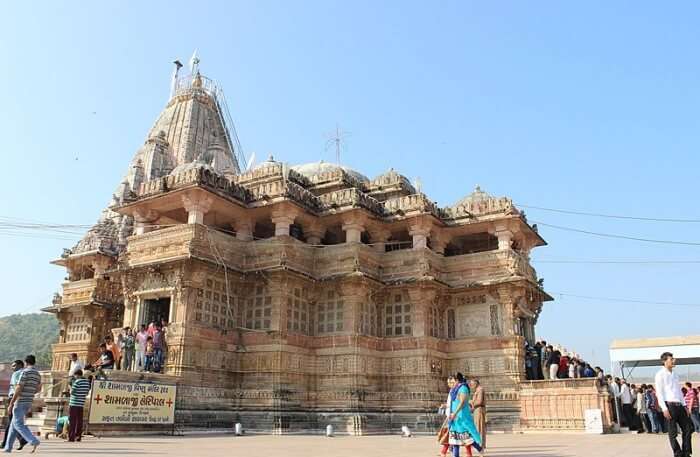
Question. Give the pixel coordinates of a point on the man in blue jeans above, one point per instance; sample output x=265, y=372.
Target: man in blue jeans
x=21, y=404
x=17, y=367
x=652, y=409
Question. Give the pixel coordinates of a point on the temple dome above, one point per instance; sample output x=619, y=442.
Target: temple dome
x=480, y=202
x=312, y=169
x=267, y=163
x=476, y=196
x=392, y=177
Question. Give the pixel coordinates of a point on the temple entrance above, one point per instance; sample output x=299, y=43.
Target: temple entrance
x=154, y=310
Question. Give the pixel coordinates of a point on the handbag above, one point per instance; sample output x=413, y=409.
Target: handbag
x=443, y=434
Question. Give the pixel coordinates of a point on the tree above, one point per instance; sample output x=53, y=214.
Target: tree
x=23, y=334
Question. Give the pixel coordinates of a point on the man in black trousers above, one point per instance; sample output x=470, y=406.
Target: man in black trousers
x=17, y=367
x=672, y=403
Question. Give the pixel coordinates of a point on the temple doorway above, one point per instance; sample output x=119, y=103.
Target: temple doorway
x=155, y=310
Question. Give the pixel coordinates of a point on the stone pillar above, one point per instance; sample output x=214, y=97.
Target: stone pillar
x=421, y=299
x=379, y=239
x=353, y=232
x=420, y=236
x=100, y=265
x=314, y=234
x=143, y=219
x=438, y=243
x=505, y=239
x=196, y=206
x=244, y=229
x=139, y=228
x=282, y=224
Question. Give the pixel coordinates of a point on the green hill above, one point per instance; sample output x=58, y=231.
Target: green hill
x=22, y=334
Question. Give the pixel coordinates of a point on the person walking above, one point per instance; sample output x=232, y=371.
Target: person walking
x=17, y=367
x=20, y=405
x=478, y=407
x=444, y=433
x=78, y=392
x=461, y=424
x=691, y=403
x=672, y=403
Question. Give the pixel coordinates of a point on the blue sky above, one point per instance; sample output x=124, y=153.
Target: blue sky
x=590, y=107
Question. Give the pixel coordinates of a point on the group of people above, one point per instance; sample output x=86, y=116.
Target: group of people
x=544, y=361
x=140, y=351
x=663, y=407
x=465, y=416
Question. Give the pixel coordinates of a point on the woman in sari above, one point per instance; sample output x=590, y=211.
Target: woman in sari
x=463, y=432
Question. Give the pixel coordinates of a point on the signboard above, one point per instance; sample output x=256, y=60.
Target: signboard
x=132, y=403
x=594, y=421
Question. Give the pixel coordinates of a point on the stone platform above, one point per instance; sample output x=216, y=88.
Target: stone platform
x=500, y=445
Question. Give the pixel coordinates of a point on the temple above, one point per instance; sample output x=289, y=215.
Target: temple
x=300, y=295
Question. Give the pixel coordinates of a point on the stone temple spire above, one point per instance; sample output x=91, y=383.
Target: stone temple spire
x=190, y=128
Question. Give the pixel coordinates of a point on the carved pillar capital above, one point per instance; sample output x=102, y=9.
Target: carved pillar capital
x=244, y=229
x=143, y=218
x=378, y=237
x=196, y=205
x=420, y=233
x=314, y=233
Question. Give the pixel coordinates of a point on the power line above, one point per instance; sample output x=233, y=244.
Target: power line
x=623, y=237
x=610, y=216
x=620, y=262
x=625, y=300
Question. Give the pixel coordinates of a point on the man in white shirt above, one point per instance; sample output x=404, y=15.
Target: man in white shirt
x=75, y=364
x=627, y=400
x=672, y=403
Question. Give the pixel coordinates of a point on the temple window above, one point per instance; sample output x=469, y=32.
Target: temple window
x=77, y=329
x=368, y=319
x=436, y=322
x=298, y=311
x=451, y=326
x=214, y=306
x=331, y=313
x=470, y=244
x=258, y=312
x=398, y=318
x=495, y=320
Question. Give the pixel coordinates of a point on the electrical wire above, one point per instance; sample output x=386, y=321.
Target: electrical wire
x=620, y=262
x=610, y=216
x=625, y=300
x=609, y=235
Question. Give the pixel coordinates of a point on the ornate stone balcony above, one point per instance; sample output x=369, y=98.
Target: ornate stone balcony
x=192, y=240
x=88, y=291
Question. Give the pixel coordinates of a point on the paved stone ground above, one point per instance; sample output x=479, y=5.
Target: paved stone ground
x=517, y=445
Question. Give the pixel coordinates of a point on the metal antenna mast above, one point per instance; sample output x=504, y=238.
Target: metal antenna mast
x=337, y=139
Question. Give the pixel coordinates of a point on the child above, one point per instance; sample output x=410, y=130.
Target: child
x=149, y=353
